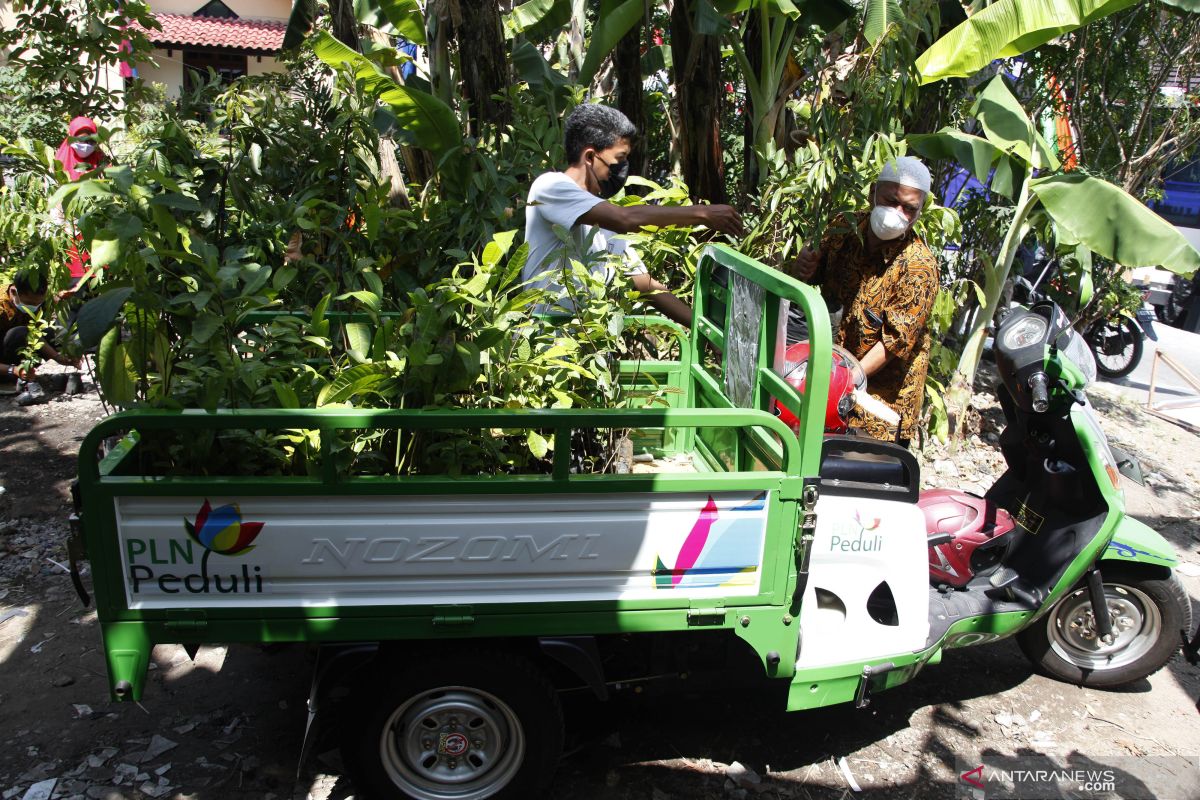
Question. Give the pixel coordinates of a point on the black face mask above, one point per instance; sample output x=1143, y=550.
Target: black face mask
x=617, y=174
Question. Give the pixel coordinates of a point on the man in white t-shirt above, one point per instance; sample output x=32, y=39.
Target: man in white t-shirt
x=598, y=140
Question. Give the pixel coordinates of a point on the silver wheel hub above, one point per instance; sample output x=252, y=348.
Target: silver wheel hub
x=1134, y=618
x=452, y=743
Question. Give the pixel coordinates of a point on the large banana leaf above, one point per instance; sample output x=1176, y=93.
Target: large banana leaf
x=1007, y=28
x=426, y=120
x=536, y=19
x=1112, y=223
x=1187, y=5
x=1006, y=125
x=300, y=23
x=878, y=16
x=976, y=154
x=402, y=16
x=615, y=19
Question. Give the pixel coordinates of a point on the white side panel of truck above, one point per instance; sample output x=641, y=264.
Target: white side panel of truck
x=868, y=586
x=367, y=551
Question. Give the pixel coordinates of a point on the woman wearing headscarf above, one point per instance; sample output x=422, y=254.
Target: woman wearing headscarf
x=80, y=157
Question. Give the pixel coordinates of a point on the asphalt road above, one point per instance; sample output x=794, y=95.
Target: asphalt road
x=1169, y=388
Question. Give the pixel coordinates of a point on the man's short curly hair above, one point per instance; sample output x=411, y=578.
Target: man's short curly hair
x=594, y=125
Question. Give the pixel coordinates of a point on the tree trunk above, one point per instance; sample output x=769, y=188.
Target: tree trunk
x=752, y=45
x=699, y=93
x=482, y=62
x=345, y=23
x=627, y=64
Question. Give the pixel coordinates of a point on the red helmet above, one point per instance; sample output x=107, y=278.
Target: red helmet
x=845, y=376
x=978, y=530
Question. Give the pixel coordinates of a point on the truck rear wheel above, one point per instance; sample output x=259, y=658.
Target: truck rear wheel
x=464, y=724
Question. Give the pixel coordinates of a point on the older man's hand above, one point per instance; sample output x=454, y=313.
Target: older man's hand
x=805, y=265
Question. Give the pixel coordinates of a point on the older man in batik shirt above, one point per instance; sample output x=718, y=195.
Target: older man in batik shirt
x=885, y=279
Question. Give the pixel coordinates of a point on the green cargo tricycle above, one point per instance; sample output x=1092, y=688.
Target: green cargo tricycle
x=450, y=612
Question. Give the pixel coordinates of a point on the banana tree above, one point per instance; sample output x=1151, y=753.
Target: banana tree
x=366, y=26
x=1085, y=211
x=1008, y=28
x=775, y=24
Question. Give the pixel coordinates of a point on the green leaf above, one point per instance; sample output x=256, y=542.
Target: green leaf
x=404, y=16
x=104, y=251
x=537, y=444
x=205, y=326
x=358, y=335
x=300, y=23
x=428, y=121
x=368, y=299
x=1187, y=5
x=878, y=16
x=1006, y=125
x=536, y=19
x=976, y=154
x=1112, y=223
x=98, y=315
x=1007, y=28
x=356, y=380
x=613, y=22
x=283, y=276
x=534, y=69
x=174, y=200
x=498, y=247
x=116, y=379
x=286, y=395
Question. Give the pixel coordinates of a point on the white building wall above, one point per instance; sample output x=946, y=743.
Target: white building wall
x=169, y=71
x=267, y=64
x=249, y=9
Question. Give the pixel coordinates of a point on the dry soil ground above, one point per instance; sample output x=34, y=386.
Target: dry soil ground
x=229, y=725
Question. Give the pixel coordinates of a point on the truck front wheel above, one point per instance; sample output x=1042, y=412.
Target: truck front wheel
x=466, y=724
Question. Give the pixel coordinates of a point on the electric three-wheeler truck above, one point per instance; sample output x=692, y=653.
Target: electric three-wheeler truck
x=449, y=612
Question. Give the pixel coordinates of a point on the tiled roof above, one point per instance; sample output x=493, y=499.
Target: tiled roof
x=235, y=34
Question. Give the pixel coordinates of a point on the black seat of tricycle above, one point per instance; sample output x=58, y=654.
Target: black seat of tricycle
x=862, y=466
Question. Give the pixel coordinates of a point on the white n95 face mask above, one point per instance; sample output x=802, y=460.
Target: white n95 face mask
x=83, y=149
x=888, y=223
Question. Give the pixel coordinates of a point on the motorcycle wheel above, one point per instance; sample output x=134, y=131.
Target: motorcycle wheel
x=1148, y=614
x=1117, y=345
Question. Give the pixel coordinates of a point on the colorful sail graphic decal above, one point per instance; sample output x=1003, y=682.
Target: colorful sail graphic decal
x=720, y=546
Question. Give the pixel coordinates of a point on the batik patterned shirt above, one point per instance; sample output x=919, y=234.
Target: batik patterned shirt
x=886, y=297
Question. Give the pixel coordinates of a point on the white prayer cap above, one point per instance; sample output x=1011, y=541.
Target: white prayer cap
x=907, y=171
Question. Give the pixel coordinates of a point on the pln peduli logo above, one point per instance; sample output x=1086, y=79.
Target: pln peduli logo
x=173, y=570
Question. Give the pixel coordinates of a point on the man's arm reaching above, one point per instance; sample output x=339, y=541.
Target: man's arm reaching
x=657, y=295
x=626, y=219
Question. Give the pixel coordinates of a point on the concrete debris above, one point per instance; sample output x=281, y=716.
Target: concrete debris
x=5, y=616
x=41, y=790
x=156, y=789
x=1189, y=569
x=82, y=710
x=124, y=773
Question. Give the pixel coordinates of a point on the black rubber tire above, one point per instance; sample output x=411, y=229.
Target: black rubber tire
x=1131, y=331
x=1174, y=607
x=511, y=679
